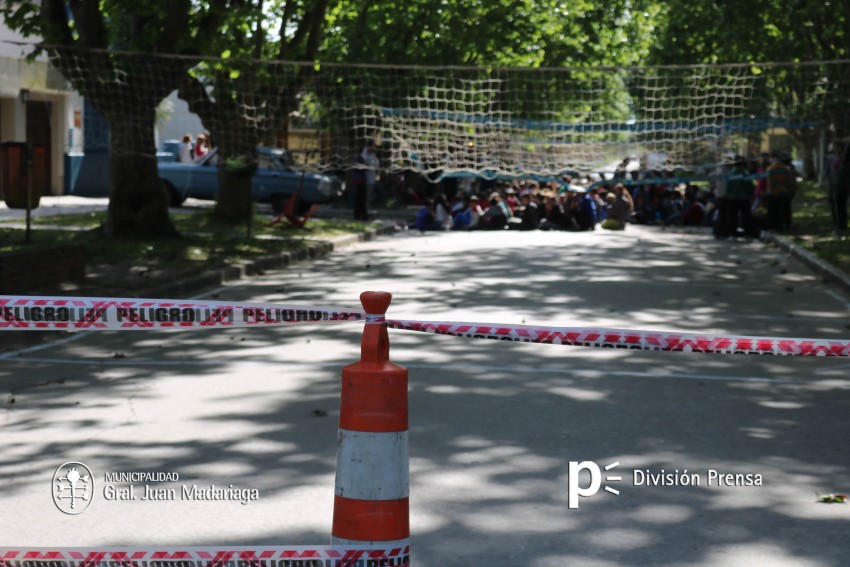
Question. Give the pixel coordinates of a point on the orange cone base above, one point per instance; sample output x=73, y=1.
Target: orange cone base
x=371, y=520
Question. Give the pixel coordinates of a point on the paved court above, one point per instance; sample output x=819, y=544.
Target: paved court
x=493, y=425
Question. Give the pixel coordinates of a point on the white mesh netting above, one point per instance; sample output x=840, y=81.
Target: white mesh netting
x=485, y=121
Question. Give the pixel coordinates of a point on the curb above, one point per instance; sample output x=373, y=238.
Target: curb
x=312, y=250
x=827, y=271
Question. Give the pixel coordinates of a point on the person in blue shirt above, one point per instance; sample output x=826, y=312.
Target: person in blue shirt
x=464, y=215
x=426, y=219
x=587, y=214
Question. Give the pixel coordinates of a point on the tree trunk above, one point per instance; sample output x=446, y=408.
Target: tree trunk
x=806, y=142
x=237, y=164
x=138, y=203
x=809, y=168
x=233, y=203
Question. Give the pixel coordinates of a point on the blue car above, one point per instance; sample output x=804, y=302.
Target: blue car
x=274, y=182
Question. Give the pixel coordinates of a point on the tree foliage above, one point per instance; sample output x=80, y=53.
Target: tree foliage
x=527, y=33
x=253, y=36
x=88, y=40
x=91, y=44
x=728, y=31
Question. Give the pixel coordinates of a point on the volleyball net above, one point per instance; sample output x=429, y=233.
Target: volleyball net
x=481, y=121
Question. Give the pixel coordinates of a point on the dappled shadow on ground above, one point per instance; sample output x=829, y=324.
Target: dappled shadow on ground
x=493, y=425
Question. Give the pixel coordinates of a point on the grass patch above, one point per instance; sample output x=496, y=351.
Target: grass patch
x=13, y=239
x=203, y=222
x=813, y=226
x=834, y=250
x=205, y=243
x=190, y=251
x=811, y=210
x=194, y=252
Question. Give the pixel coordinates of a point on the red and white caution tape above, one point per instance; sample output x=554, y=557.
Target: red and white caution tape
x=108, y=314
x=20, y=313
x=313, y=556
x=630, y=339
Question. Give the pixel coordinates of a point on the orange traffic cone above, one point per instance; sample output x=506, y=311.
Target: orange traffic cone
x=372, y=480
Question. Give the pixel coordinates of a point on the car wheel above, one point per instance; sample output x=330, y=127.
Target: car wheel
x=175, y=199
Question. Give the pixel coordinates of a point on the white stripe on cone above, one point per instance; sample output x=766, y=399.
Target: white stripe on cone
x=372, y=466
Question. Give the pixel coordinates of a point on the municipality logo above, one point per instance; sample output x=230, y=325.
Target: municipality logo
x=73, y=488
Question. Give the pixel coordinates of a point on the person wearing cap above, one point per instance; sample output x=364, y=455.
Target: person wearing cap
x=781, y=187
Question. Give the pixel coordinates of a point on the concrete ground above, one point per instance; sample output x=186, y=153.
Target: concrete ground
x=493, y=426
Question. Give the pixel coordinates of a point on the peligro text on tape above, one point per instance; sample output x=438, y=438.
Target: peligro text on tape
x=300, y=556
x=88, y=313
x=631, y=339
x=83, y=313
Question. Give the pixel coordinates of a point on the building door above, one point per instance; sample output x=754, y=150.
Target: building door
x=39, y=134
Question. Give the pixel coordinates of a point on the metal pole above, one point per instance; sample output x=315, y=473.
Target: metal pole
x=28, y=157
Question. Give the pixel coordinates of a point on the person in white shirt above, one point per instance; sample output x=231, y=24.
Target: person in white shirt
x=186, y=150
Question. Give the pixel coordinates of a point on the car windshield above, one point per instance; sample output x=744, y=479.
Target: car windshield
x=276, y=160
x=268, y=160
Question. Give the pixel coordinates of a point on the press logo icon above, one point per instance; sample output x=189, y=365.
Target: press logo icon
x=73, y=488
x=574, y=489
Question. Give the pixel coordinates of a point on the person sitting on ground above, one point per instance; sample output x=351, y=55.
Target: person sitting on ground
x=620, y=207
x=672, y=206
x=602, y=204
x=510, y=200
x=496, y=216
x=475, y=209
x=426, y=219
x=463, y=216
x=442, y=211
x=587, y=214
x=570, y=204
x=552, y=213
x=186, y=151
x=696, y=214
x=529, y=214
x=458, y=204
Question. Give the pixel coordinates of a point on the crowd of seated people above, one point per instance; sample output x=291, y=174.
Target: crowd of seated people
x=737, y=200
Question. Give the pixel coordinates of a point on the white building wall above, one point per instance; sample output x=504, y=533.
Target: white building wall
x=44, y=84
